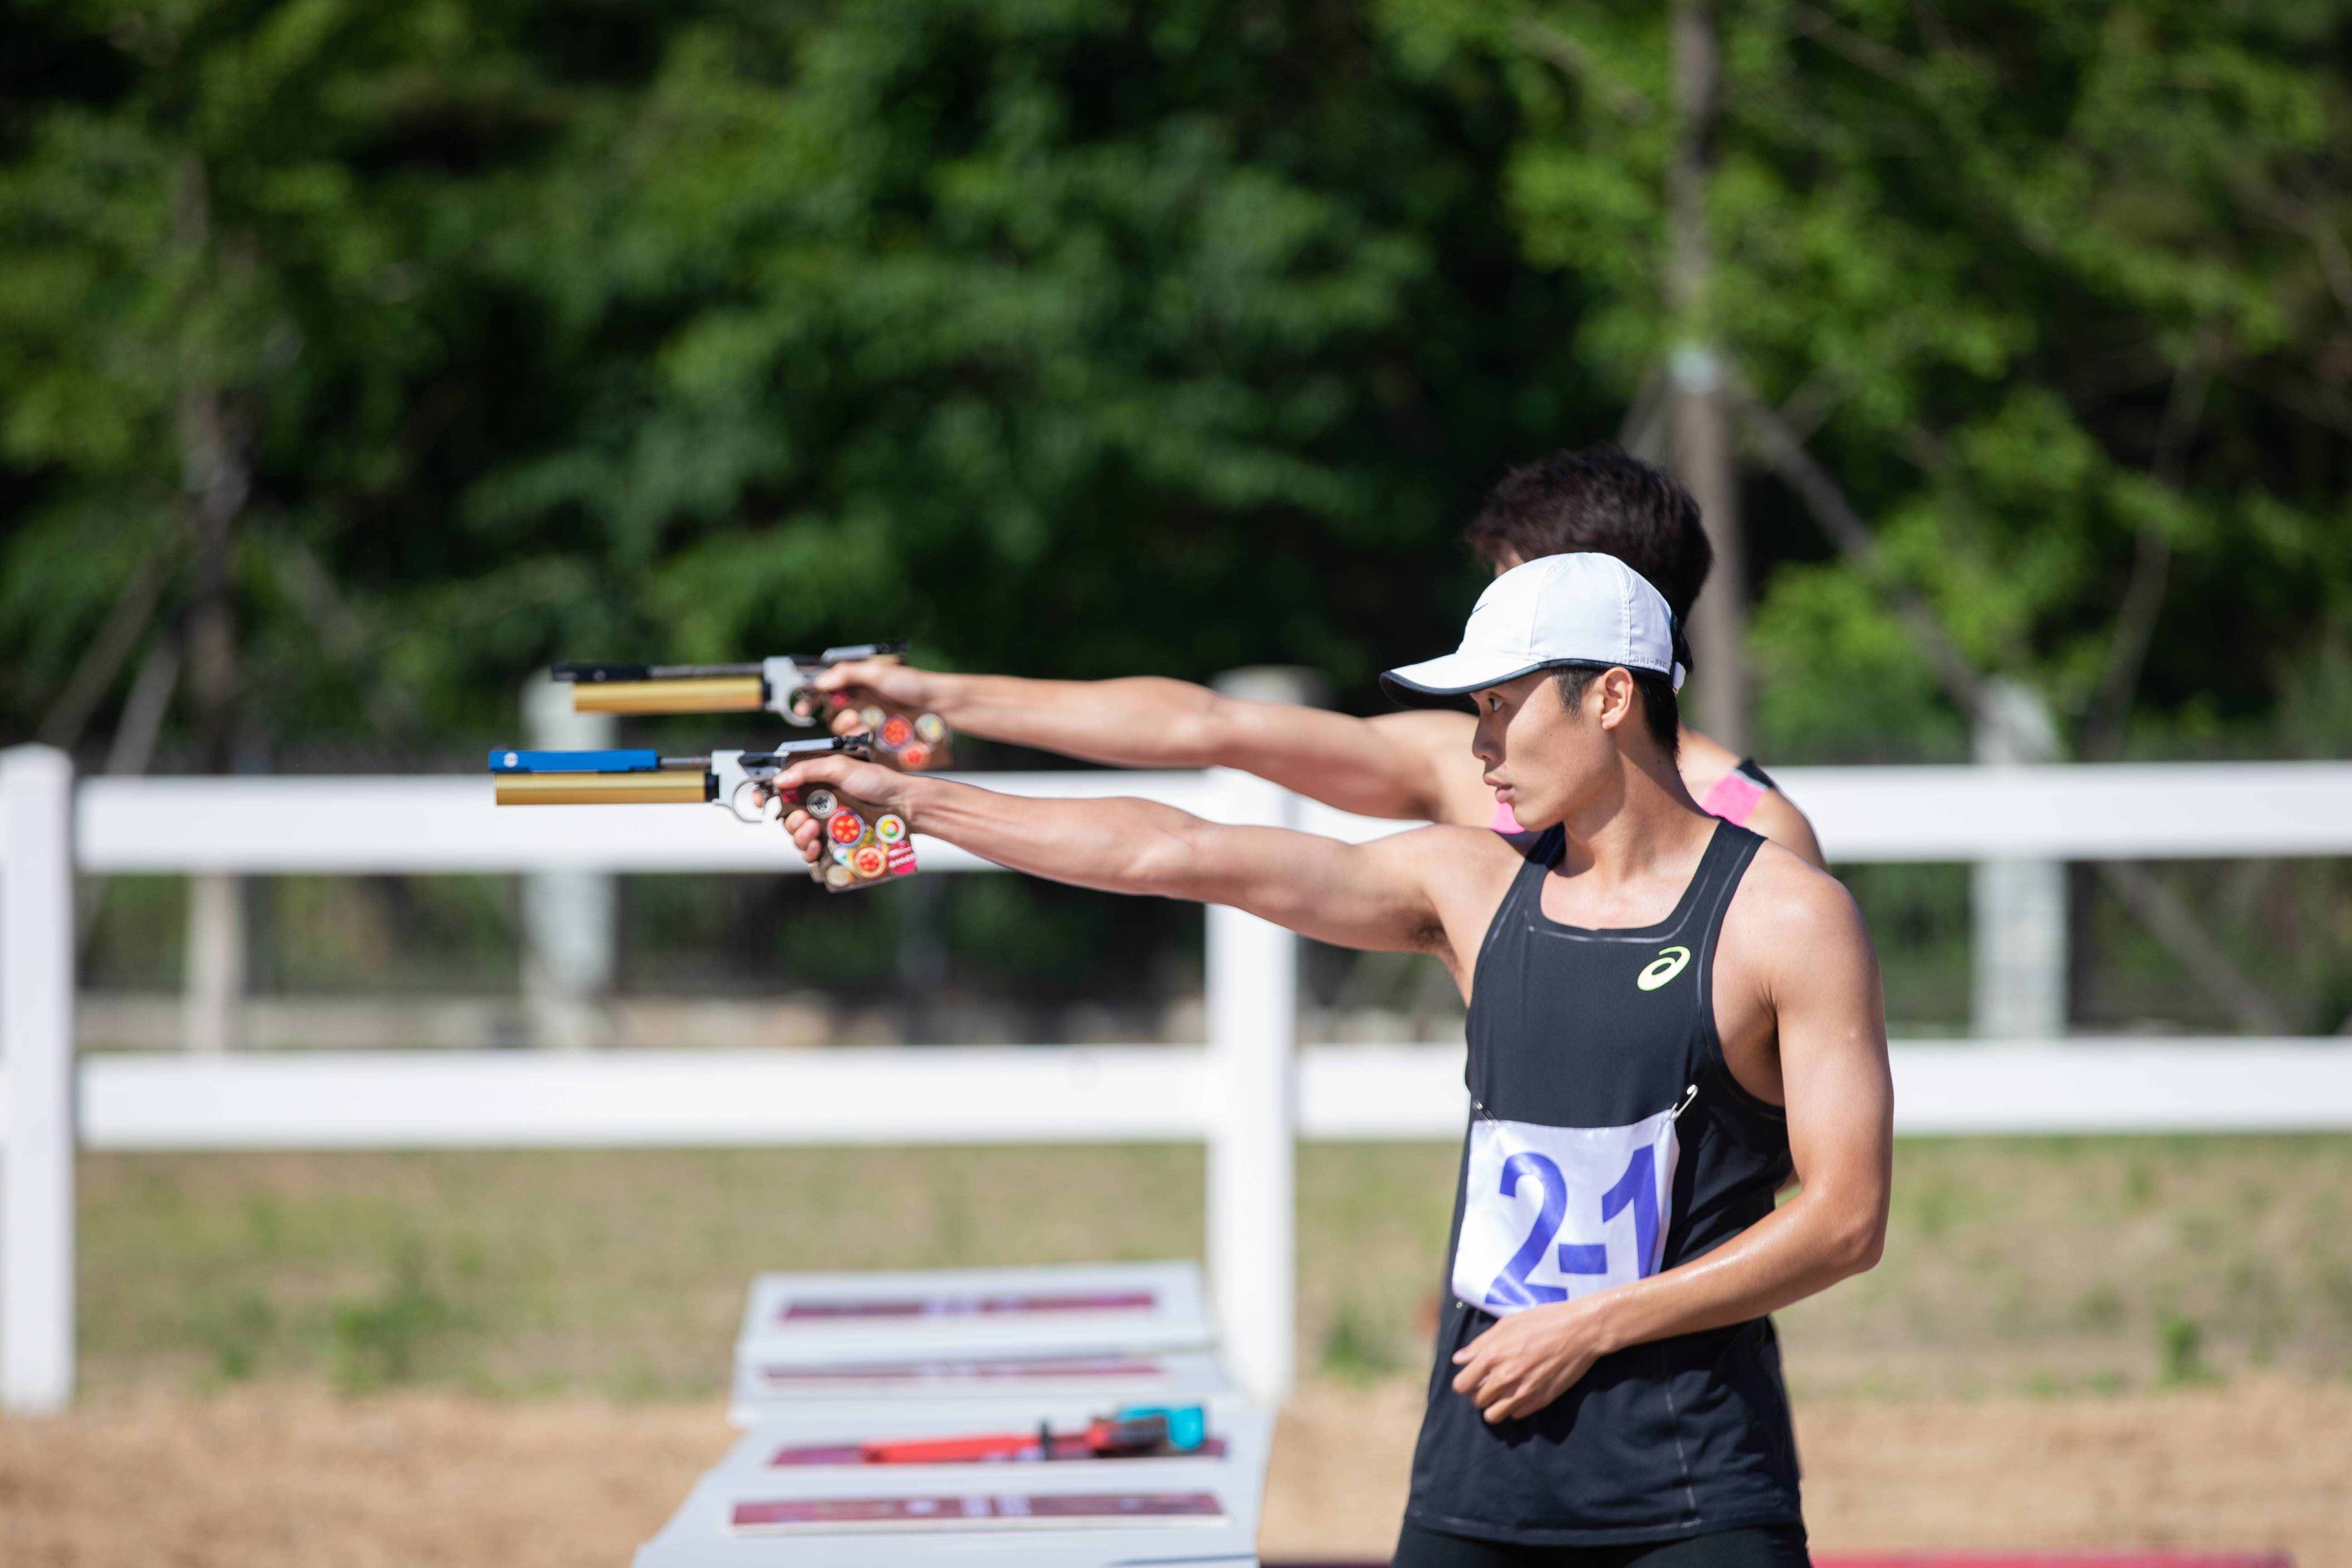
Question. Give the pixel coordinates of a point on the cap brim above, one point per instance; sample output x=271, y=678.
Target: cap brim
x=1446, y=681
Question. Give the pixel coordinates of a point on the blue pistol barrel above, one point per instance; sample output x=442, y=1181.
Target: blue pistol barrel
x=599, y=778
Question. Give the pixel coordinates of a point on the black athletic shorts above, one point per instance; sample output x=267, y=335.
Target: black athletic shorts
x=1762, y=1546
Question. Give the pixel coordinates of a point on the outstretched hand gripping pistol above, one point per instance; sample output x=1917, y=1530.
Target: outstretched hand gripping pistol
x=908, y=741
x=865, y=845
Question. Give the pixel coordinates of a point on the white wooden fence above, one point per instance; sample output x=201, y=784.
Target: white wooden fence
x=1249, y=1093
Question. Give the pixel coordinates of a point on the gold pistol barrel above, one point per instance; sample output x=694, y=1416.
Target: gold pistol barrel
x=728, y=694
x=670, y=787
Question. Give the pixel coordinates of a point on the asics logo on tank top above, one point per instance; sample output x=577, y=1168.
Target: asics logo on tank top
x=1665, y=967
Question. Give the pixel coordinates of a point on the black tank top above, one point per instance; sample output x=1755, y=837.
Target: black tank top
x=1585, y=1047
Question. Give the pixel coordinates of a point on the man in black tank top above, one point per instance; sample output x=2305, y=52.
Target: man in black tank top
x=1668, y=1019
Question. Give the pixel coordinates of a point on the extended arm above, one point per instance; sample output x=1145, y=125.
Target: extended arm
x=1840, y=1101
x=1375, y=896
x=1391, y=766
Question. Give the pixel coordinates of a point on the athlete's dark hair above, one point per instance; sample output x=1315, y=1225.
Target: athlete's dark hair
x=1602, y=501
x=1661, y=713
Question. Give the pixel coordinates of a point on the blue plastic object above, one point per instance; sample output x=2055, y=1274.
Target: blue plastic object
x=505, y=761
x=1188, y=1424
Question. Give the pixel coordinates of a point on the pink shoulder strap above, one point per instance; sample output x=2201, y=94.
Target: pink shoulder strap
x=1733, y=797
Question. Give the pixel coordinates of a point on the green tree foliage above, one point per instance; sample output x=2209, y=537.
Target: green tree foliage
x=1085, y=337
x=1092, y=337
x=2058, y=291
x=356, y=358
x=218, y=297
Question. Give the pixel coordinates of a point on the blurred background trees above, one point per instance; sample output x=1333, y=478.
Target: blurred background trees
x=354, y=360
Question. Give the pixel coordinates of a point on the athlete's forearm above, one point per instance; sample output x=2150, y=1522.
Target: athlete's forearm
x=1118, y=845
x=1365, y=896
x=1140, y=721
x=1374, y=895
x=1532, y=1357
x=1145, y=722
x=1804, y=1248
x=1379, y=768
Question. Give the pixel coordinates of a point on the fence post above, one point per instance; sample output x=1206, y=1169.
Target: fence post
x=569, y=934
x=37, y=997
x=1253, y=1013
x=212, y=995
x=2018, y=907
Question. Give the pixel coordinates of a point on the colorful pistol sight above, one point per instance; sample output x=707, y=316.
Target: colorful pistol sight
x=909, y=742
x=865, y=845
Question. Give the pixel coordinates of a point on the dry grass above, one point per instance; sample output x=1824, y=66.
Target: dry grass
x=469, y=1357
x=2262, y=1464
x=283, y=1476
x=2054, y=1266
x=2029, y=1266
x=292, y=1476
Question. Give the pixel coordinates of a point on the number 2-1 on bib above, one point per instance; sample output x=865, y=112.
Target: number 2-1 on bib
x=1555, y=1212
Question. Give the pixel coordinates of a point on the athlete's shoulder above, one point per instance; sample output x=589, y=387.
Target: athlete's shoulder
x=1702, y=761
x=1785, y=906
x=1778, y=819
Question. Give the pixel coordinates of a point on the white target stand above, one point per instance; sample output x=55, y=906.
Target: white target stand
x=940, y=1416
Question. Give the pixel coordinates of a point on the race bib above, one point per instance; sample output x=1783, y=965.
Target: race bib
x=1556, y=1212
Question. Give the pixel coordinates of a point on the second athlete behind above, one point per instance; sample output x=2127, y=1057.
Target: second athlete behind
x=1413, y=766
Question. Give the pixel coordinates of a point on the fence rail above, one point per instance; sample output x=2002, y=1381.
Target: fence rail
x=431, y=823
x=144, y=1101
x=1249, y=1093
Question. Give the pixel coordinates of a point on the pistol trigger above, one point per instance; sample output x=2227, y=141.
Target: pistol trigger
x=755, y=802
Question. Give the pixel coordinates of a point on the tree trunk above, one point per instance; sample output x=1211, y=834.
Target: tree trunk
x=1717, y=694
x=216, y=486
x=215, y=481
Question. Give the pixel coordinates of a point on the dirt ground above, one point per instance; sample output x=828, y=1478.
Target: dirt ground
x=345, y=1361
x=279, y=1476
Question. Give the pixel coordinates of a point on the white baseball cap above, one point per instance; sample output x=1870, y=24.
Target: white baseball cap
x=1578, y=609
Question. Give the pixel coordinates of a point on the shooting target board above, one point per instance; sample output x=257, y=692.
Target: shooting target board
x=827, y=1364
x=974, y=1311
x=768, y=1389
x=1039, y=1515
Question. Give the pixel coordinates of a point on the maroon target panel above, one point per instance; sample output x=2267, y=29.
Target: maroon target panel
x=1022, y=1304
x=1008, y=1369
x=965, y=1514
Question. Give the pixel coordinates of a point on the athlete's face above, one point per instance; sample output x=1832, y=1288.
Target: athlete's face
x=1545, y=758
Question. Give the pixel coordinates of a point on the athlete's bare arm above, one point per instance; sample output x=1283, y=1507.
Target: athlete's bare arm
x=1427, y=890
x=1798, y=1005
x=1391, y=766
x=1413, y=766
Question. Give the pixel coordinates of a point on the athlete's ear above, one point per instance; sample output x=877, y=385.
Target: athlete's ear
x=1615, y=688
